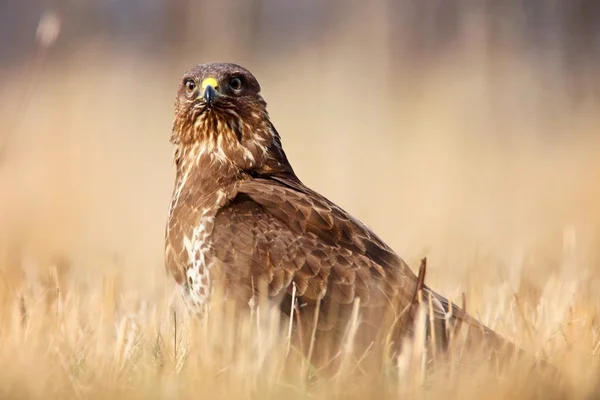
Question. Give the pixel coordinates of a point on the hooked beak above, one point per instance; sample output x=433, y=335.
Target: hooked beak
x=210, y=95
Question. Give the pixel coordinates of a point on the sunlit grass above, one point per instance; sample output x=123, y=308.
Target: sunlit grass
x=61, y=339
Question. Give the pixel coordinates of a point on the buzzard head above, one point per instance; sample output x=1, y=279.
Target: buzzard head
x=220, y=115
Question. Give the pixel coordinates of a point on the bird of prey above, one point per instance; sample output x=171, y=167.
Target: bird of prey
x=240, y=219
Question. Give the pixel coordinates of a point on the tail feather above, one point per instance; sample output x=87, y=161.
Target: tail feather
x=454, y=326
x=450, y=325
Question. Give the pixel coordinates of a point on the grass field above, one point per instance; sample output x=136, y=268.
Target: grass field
x=64, y=340
x=503, y=199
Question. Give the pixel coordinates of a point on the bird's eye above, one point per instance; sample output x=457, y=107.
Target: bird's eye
x=190, y=85
x=235, y=83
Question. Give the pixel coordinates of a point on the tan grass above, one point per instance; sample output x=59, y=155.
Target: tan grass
x=94, y=342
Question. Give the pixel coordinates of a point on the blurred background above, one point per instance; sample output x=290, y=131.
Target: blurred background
x=464, y=131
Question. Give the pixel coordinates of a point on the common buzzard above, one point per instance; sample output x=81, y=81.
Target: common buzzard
x=241, y=218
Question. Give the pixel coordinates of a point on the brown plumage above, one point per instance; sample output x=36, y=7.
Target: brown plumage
x=240, y=217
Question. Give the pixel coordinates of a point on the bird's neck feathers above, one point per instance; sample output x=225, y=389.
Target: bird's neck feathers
x=222, y=154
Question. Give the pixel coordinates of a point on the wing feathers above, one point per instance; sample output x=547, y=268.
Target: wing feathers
x=284, y=234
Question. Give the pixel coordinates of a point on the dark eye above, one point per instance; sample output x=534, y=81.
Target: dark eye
x=190, y=85
x=235, y=83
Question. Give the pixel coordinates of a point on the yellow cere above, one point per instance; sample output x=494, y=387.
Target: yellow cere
x=209, y=81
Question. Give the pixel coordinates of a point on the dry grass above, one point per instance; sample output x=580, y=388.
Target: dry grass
x=62, y=339
x=504, y=214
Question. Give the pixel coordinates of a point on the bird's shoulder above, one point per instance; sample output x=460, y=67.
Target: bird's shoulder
x=304, y=210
